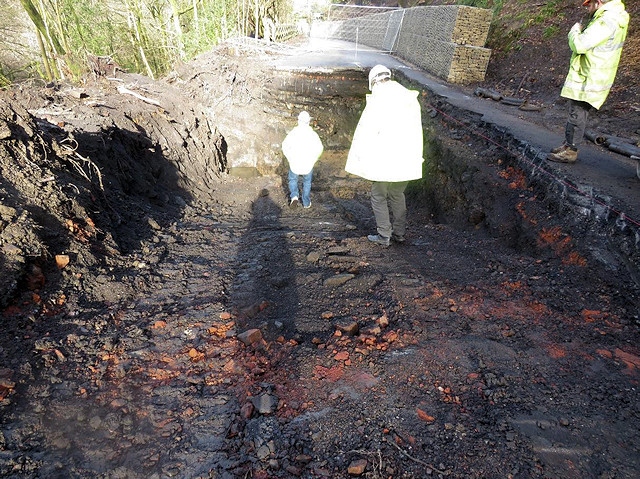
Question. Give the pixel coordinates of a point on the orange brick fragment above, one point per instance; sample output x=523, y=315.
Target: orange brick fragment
x=341, y=356
x=424, y=416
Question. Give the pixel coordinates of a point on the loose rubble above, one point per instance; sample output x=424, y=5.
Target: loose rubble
x=205, y=329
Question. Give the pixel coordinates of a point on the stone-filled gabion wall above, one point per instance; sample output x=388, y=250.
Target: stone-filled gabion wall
x=446, y=41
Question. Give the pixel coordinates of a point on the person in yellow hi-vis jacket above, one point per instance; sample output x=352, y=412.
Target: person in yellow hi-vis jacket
x=596, y=50
x=387, y=150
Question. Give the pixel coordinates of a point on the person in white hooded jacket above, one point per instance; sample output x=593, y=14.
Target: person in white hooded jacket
x=302, y=147
x=387, y=149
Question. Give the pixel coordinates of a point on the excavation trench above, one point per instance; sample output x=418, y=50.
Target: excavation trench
x=203, y=328
x=476, y=175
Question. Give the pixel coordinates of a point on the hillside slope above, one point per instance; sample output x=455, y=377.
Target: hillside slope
x=530, y=57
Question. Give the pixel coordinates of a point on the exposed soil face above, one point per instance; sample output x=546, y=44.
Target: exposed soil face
x=166, y=319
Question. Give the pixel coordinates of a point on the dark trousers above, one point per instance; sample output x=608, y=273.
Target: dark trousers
x=576, y=122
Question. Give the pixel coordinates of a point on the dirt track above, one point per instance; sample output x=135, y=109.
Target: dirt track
x=460, y=354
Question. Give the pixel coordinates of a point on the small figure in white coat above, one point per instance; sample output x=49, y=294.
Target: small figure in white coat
x=302, y=147
x=387, y=149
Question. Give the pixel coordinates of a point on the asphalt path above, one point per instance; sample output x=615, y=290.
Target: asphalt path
x=610, y=177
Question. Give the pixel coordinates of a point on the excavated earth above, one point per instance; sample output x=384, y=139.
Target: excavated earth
x=166, y=314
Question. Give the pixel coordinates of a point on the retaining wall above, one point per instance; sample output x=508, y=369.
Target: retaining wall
x=446, y=41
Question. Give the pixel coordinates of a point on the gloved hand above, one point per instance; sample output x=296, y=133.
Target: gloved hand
x=577, y=28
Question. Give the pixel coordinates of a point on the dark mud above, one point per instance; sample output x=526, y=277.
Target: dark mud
x=202, y=328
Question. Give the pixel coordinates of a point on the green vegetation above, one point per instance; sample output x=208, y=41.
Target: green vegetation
x=495, y=5
x=550, y=31
x=547, y=11
x=146, y=36
x=61, y=38
x=514, y=24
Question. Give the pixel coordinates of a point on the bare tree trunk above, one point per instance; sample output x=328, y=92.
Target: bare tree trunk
x=257, y=17
x=196, y=20
x=43, y=31
x=60, y=25
x=134, y=23
x=45, y=57
x=178, y=28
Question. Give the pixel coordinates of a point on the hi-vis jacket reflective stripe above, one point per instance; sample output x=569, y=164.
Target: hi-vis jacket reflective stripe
x=387, y=143
x=596, y=54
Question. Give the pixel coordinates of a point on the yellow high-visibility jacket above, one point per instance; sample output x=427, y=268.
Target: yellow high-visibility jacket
x=387, y=144
x=596, y=54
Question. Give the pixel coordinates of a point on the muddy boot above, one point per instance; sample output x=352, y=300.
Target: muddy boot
x=563, y=154
x=558, y=149
x=381, y=240
x=397, y=238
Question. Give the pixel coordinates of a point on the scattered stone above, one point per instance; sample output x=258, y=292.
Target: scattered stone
x=154, y=224
x=296, y=471
x=263, y=452
x=424, y=416
x=357, y=467
x=341, y=356
x=373, y=330
x=348, y=327
x=338, y=279
x=250, y=336
x=62, y=260
x=303, y=458
x=265, y=403
x=314, y=257
x=383, y=321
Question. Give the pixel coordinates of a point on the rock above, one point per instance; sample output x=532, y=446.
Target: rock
x=154, y=224
x=263, y=452
x=357, y=467
x=62, y=260
x=303, y=458
x=250, y=336
x=296, y=471
x=313, y=257
x=341, y=356
x=265, y=403
x=383, y=321
x=347, y=326
x=338, y=279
